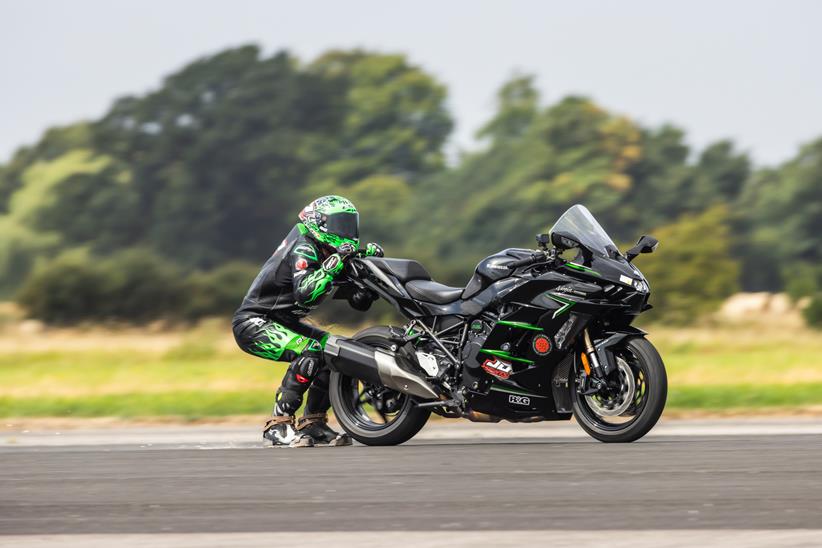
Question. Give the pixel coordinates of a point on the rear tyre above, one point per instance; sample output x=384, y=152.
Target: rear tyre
x=374, y=415
x=626, y=417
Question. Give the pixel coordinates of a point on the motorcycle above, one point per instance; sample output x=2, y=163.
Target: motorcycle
x=533, y=336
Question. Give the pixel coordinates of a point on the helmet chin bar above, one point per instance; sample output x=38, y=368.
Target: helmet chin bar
x=332, y=241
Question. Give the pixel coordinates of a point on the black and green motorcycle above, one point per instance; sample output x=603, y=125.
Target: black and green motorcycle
x=532, y=336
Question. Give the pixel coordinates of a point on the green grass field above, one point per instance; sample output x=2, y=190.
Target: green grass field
x=201, y=374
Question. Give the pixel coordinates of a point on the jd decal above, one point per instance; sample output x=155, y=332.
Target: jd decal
x=497, y=367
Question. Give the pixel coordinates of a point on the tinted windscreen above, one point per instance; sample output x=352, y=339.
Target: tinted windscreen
x=346, y=225
x=579, y=223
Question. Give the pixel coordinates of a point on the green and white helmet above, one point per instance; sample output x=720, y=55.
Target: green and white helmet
x=332, y=220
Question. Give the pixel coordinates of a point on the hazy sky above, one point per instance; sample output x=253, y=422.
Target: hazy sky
x=743, y=69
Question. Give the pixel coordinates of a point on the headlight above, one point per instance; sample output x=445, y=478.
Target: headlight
x=640, y=286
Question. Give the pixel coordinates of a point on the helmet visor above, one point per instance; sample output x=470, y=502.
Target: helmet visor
x=344, y=225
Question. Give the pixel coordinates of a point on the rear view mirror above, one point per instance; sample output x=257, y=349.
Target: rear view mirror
x=543, y=240
x=563, y=240
x=646, y=244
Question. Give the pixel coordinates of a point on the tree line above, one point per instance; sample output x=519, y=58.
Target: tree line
x=190, y=187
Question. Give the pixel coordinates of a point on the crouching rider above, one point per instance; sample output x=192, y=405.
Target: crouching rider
x=293, y=282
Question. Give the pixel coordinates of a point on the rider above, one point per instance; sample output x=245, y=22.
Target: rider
x=294, y=280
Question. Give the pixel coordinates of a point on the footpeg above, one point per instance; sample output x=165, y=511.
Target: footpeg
x=443, y=403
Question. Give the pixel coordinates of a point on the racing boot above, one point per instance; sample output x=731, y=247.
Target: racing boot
x=279, y=430
x=315, y=427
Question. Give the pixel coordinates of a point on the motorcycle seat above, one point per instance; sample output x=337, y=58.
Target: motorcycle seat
x=403, y=269
x=433, y=292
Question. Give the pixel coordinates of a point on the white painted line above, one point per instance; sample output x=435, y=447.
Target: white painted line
x=788, y=538
x=210, y=437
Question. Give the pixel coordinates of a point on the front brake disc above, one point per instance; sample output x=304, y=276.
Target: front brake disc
x=617, y=402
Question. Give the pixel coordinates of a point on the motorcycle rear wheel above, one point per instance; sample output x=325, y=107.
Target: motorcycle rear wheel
x=649, y=391
x=374, y=415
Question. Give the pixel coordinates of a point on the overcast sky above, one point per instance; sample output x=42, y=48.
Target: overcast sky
x=747, y=70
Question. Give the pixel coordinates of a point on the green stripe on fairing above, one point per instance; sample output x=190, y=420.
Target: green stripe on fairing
x=521, y=325
x=581, y=268
x=506, y=355
x=507, y=390
x=566, y=304
x=302, y=228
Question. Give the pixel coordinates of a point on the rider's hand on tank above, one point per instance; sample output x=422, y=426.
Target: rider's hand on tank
x=347, y=249
x=374, y=250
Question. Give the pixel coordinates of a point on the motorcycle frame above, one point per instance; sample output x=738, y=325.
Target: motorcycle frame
x=524, y=291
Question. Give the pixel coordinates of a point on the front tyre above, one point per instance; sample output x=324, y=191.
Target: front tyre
x=374, y=415
x=634, y=404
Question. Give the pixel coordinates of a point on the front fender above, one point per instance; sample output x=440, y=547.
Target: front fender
x=605, y=344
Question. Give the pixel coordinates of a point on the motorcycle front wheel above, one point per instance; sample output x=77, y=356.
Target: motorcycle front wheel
x=374, y=414
x=634, y=401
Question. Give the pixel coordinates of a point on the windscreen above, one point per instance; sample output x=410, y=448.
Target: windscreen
x=579, y=223
x=346, y=225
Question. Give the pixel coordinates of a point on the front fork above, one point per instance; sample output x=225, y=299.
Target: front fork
x=592, y=376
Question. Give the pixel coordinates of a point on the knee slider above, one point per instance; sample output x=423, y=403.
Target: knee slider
x=307, y=366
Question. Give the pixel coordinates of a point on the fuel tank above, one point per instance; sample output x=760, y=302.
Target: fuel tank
x=493, y=268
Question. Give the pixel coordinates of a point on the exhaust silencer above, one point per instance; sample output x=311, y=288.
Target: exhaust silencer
x=375, y=366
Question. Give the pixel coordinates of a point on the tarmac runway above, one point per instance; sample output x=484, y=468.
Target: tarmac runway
x=755, y=484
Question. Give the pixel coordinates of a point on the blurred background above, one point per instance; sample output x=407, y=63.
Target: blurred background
x=152, y=156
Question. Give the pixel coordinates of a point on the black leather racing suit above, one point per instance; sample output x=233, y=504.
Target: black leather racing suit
x=290, y=284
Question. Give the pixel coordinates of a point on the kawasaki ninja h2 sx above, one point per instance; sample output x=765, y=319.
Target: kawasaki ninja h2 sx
x=532, y=337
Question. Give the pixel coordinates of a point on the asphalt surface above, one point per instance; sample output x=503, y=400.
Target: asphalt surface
x=664, y=482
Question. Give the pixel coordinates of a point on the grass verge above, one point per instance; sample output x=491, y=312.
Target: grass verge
x=200, y=373
x=748, y=396
x=189, y=405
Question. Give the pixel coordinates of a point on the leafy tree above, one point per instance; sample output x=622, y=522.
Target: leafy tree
x=395, y=120
x=54, y=143
x=781, y=215
x=139, y=287
x=218, y=292
x=661, y=176
x=99, y=209
x=720, y=174
x=573, y=152
x=25, y=237
x=813, y=312
x=133, y=286
x=517, y=108
x=212, y=167
x=692, y=271
x=65, y=290
x=219, y=152
x=382, y=203
x=20, y=250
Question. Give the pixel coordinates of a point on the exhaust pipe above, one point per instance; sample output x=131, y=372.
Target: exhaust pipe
x=375, y=366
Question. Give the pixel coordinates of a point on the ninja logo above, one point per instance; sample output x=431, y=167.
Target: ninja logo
x=568, y=288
